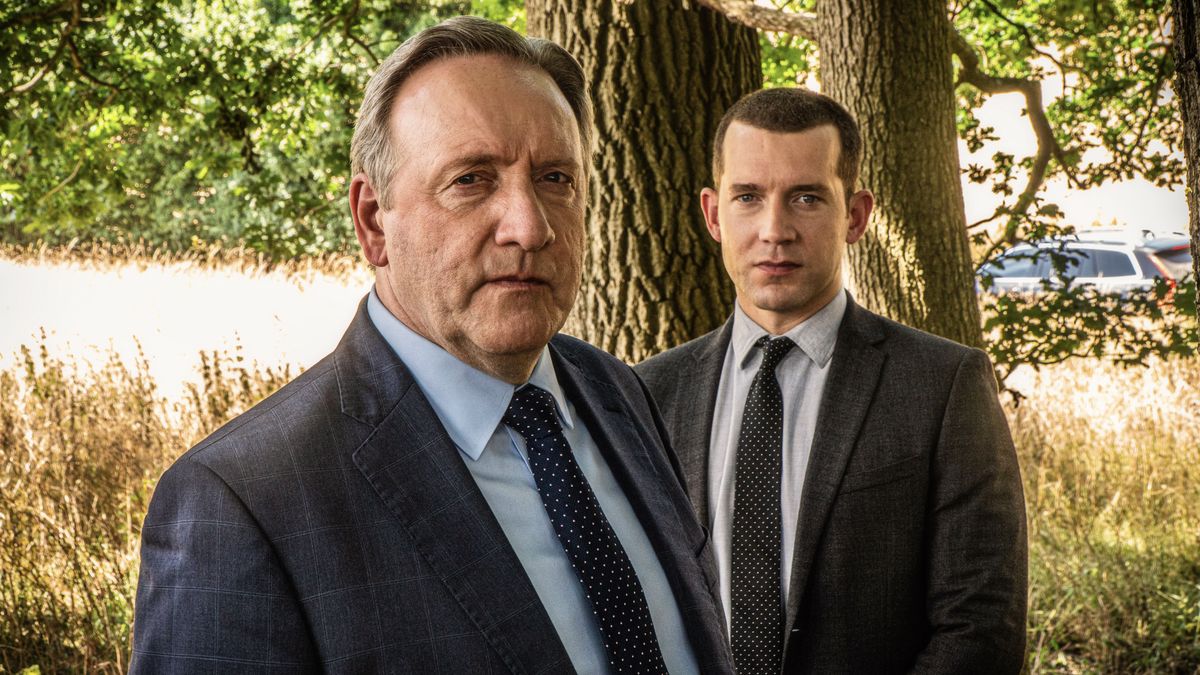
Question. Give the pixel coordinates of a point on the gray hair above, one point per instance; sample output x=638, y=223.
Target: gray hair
x=371, y=150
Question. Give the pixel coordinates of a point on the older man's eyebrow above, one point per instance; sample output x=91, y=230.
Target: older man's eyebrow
x=566, y=161
x=472, y=159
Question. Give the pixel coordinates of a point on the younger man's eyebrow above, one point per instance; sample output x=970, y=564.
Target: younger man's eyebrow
x=816, y=188
x=744, y=187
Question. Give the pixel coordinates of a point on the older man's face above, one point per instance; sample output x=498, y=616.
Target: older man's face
x=484, y=237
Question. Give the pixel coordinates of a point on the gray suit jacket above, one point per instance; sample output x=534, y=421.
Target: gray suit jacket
x=910, y=549
x=334, y=527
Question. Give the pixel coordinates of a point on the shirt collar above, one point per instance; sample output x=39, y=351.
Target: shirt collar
x=468, y=402
x=816, y=336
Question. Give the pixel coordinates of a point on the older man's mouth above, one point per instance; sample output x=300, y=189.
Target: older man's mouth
x=518, y=282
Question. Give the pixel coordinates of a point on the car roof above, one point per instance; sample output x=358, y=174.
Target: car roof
x=1167, y=244
x=1110, y=238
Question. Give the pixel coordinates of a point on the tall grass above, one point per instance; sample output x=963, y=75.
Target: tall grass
x=80, y=450
x=1111, y=459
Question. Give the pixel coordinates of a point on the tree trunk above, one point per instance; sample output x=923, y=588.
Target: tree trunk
x=889, y=63
x=1187, y=89
x=661, y=77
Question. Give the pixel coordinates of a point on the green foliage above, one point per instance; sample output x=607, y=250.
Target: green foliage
x=1072, y=320
x=189, y=121
x=1114, y=120
x=788, y=60
x=511, y=13
x=1111, y=59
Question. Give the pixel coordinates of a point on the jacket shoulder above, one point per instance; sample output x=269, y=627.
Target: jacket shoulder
x=301, y=409
x=594, y=363
x=676, y=362
x=910, y=345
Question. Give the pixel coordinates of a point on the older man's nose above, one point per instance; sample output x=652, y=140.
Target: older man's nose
x=523, y=220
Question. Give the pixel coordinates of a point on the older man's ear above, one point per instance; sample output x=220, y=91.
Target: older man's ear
x=364, y=209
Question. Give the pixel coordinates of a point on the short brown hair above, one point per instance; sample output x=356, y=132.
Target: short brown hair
x=791, y=110
x=371, y=149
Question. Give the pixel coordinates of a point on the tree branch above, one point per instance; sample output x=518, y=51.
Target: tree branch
x=82, y=69
x=1047, y=145
x=747, y=13
x=358, y=41
x=79, y=163
x=33, y=17
x=22, y=88
x=63, y=38
x=57, y=188
x=804, y=24
x=1028, y=35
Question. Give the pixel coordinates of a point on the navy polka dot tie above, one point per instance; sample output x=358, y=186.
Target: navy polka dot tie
x=757, y=612
x=599, y=560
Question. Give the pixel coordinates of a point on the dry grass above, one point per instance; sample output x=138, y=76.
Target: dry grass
x=1111, y=459
x=237, y=260
x=80, y=450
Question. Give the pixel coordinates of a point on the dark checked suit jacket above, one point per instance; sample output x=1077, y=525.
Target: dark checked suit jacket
x=334, y=528
x=910, y=551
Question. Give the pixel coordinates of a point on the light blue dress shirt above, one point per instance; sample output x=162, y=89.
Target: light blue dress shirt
x=470, y=405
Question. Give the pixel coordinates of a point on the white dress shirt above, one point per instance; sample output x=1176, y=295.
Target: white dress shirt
x=801, y=376
x=470, y=404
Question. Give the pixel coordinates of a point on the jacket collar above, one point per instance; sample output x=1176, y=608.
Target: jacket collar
x=415, y=468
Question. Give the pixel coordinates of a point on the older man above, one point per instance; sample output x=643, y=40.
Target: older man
x=455, y=488
x=858, y=475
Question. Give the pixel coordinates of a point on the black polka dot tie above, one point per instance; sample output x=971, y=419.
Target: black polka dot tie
x=599, y=560
x=757, y=612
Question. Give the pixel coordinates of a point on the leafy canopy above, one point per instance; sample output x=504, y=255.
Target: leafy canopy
x=188, y=121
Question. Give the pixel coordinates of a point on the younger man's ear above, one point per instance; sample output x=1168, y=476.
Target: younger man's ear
x=861, y=203
x=364, y=209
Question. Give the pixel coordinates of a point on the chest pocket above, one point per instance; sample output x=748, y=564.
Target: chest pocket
x=890, y=473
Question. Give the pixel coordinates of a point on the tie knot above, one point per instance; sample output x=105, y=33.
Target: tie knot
x=773, y=349
x=531, y=413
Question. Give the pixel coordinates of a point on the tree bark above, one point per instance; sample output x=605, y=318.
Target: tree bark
x=1187, y=90
x=889, y=63
x=661, y=76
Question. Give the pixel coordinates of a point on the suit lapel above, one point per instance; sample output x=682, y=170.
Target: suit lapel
x=692, y=431
x=849, y=388
x=624, y=451
x=662, y=513
x=416, y=470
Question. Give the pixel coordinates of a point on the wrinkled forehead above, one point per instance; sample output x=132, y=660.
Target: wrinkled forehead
x=455, y=99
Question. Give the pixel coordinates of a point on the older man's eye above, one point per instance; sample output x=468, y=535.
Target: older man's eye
x=467, y=179
x=558, y=177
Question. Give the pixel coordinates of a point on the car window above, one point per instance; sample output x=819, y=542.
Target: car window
x=1018, y=263
x=1177, y=261
x=1112, y=264
x=1076, y=262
